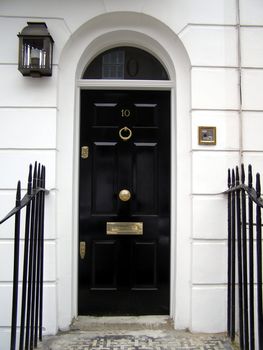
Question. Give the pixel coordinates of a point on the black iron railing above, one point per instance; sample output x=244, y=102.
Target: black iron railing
x=245, y=259
x=32, y=281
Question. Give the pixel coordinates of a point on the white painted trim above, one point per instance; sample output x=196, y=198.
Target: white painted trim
x=123, y=84
x=95, y=36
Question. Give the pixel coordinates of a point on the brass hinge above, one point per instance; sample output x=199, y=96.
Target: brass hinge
x=82, y=249
x=84, y=152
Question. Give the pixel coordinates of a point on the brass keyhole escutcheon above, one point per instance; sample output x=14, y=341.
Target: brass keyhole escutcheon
x=82, y=249
x=125, y=133
x=84, y=152
x=124, y=195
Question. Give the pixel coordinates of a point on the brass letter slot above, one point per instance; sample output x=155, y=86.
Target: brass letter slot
x=124, y=228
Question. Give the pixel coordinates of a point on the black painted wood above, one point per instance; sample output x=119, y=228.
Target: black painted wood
x=123, y=274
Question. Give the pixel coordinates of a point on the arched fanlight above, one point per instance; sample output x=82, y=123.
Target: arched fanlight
x=35, y=50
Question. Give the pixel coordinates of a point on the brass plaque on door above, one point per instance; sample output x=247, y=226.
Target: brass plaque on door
x=124, y=228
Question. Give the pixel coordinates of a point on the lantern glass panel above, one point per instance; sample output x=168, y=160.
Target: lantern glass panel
x=34, y=55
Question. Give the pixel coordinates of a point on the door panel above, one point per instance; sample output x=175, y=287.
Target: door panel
x=124, y=273
x=105, y=161
x=104, y=265
x=144, y=269
x=145, y=178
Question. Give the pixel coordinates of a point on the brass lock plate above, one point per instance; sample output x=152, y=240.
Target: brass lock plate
x=82, y=249
x=84, y=152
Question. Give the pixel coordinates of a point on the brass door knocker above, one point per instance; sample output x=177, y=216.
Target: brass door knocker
x=125, y=133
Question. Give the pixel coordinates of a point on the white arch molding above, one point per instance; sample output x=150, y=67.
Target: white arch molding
x=97, y=35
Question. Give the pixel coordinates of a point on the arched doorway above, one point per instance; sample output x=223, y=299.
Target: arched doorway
x=124, y=189
x=123, y=28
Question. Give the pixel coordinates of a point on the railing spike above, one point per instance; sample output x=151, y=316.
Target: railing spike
x=44, y=177
x=243, y=175
x=30, y=173
x=250, y=177
x=233, y=176
x=18, y=194
x=229, y=178
x=35, y=176
x=29, y=183
x=258, y=187
x=39, y=171
x=237, y=176
x=35, y=170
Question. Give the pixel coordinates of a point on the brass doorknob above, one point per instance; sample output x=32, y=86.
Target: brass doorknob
x=124, y=195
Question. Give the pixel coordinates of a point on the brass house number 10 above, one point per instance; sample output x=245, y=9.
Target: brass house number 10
x=125, y=112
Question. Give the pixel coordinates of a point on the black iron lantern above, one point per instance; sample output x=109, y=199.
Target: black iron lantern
x=35, y=50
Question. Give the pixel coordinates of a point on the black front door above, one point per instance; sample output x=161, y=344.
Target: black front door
x=124, y=203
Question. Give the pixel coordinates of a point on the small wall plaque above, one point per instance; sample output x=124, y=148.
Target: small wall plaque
x=207, y=135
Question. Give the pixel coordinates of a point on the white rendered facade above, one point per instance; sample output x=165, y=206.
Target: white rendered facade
x=208, y=48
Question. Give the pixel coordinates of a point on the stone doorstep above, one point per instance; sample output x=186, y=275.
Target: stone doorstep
x=90, y=323
x=131, y=333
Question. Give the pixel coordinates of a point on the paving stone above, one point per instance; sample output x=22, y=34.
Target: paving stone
x=133, y=336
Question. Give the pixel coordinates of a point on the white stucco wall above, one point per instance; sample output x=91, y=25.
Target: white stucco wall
x=204, y=34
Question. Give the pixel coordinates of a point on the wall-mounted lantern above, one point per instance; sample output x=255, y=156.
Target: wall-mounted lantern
x=35, y=50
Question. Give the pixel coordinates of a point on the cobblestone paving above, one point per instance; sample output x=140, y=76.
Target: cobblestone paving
x=164, y=338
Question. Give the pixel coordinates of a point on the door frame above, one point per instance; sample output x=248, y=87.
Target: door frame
x=84, y=44
x=166, y=85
